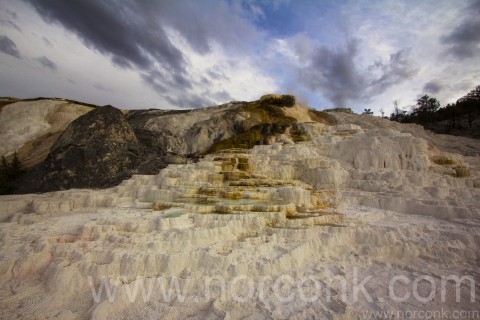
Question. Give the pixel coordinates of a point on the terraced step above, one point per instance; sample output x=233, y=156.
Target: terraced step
x=222, y=206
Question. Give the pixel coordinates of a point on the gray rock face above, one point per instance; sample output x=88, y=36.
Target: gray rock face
x=187, y=133
x=97, y=150
x=178, y=136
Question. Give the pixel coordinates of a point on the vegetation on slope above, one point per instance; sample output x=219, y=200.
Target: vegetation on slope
x=459, y=118
x=9, y=174
x=279, y=100
x=322, y=117
x=268, y=113
x=272, y=120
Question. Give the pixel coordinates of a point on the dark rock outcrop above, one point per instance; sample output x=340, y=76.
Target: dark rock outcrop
x=97, y=150
x=104, y=146
x=186, y=133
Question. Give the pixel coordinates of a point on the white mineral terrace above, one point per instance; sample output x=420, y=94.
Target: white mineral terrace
x=351, y=222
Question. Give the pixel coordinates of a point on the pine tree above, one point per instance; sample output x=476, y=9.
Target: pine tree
x=9, y=174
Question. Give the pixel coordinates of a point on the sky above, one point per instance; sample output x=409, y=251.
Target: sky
x=198, y=53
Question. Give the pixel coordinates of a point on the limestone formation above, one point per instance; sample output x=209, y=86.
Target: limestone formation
x=165, y=137
x=194, y=132
x=31, y=127
x=283, y=231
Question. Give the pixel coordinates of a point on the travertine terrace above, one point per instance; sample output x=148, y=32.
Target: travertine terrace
x=284, y=226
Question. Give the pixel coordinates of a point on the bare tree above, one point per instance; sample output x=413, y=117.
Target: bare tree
x=382, y=112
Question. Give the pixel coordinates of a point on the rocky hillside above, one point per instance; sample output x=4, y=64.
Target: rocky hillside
x=30, y=127
x=97, y=150
x=64, y=144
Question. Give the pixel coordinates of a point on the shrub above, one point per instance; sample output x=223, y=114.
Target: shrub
x=273, y=121
x=462, y=171
x=322, y=117
x=281, y=100
x=443, y=161
x=9, y=174
x=298, y=134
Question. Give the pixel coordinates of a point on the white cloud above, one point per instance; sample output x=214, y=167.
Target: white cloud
x=218, y=73
x=383, y=27
x=227, y=56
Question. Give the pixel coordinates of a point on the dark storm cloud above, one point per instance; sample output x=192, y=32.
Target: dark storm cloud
x=432, y=87
x=464, y=41
x=115, y=29
x=133, y=34
x=200, y=22
x=121, y=30
x=9, y=47
x=163, y=82
x=154, y=79
x=398, y=69
x=335, y=73
x=47, y=63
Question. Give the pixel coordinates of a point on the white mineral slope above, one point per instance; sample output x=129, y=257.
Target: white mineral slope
x=288, y=229
x=24, y=121
x=462, y=145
